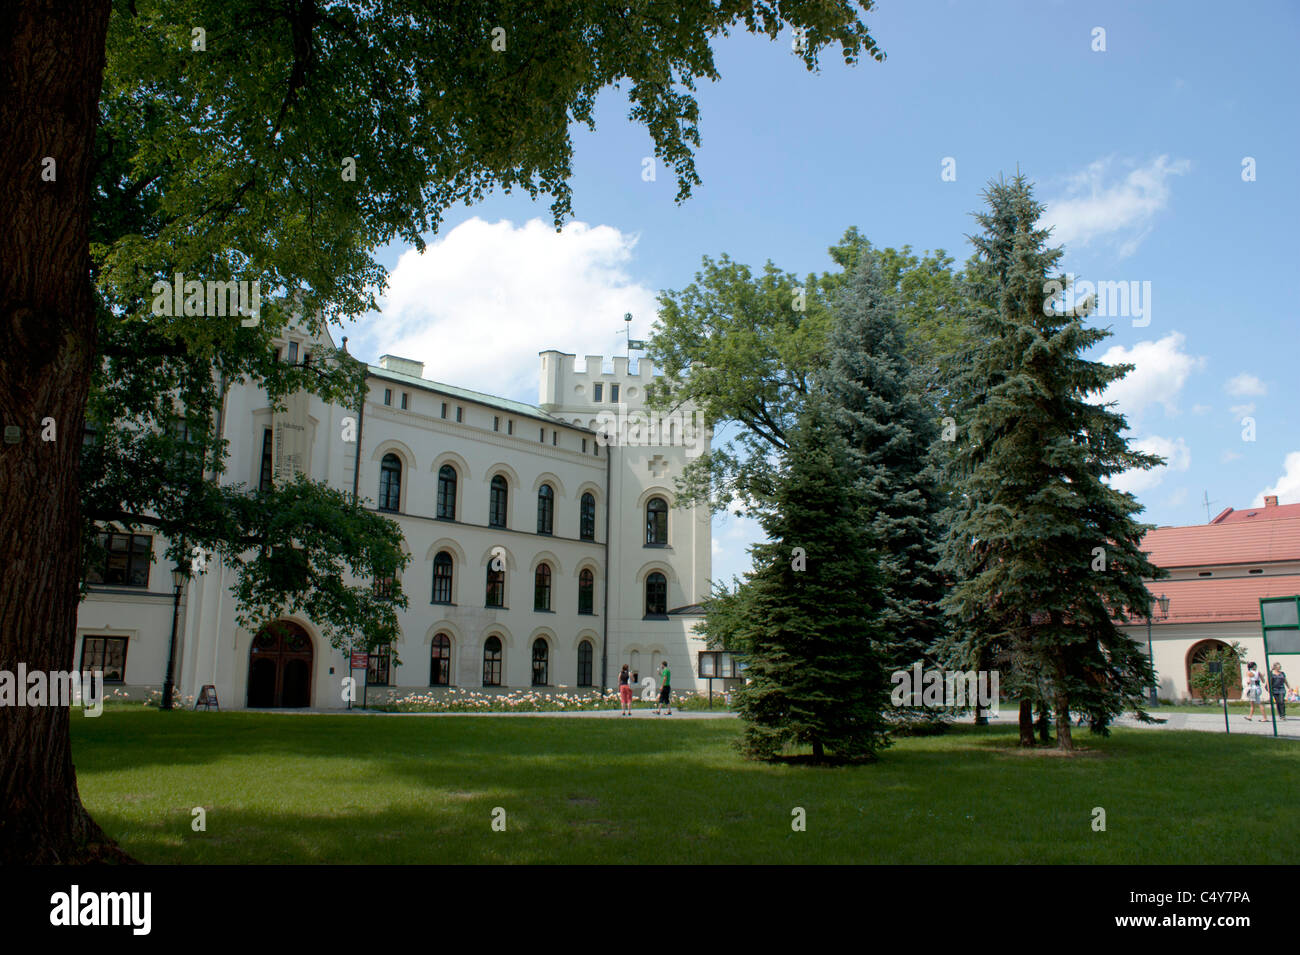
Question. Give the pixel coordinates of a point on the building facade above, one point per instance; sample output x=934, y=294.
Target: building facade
x=545, y=548
x=1218, y=572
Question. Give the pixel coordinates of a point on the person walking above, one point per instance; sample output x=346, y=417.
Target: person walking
x=1254, y=692
x=1278, y=686
x=625, y=690
x=665, y=689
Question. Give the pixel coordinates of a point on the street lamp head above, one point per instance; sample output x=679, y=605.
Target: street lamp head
x=1164, y=605
x=178, y=577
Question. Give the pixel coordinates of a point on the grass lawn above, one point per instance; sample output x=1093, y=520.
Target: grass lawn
x=375, y=789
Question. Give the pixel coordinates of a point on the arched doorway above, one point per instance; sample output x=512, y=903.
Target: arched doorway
x=279, y=667
x=1196, y=657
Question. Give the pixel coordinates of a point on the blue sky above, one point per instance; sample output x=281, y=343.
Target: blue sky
x=1138, y=151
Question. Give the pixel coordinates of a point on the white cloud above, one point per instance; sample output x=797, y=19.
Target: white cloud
x=1161, y=369
x=1238, y=411
x=1201, y=409
x=1177, y=455
x=1245, y=384
x=1229, y=456
x=1103, y=202
x=1287, y=488
x=481, y=302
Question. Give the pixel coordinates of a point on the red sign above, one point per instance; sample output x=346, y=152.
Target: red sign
x=360, y=661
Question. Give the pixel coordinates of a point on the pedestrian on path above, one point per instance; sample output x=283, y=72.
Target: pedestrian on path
x=1278, y=685
x=665, y=692
x=1254, y=692
x=625, y=690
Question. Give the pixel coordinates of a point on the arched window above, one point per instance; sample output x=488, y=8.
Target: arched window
x=656, y=522
x=442, y=578
x=498, y=497
x=492, y=661
x=586, y=592
x=540, y=656
x=545, y=509
x=447, y=492
x=496, y=586
x=584, y=663
x=656, y=595
x=440, y=661
x=390, y=483
x=542, y=587
x=587, y=530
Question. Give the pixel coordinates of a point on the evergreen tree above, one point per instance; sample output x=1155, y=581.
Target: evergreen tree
x=815, y=671
x=889, y=428
x=1046, y=553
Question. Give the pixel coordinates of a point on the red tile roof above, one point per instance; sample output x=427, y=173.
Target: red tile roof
x=1270, y=512
x=1218, y=599
x=1232, y=542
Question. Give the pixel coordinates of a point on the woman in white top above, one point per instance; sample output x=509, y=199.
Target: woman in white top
x=1254, y=692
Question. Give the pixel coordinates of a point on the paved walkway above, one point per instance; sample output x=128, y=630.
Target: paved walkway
x=1208, y=722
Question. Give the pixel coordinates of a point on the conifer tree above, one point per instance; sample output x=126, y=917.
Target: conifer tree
x=815, y=671
x=1045, y=553
x=889, y=429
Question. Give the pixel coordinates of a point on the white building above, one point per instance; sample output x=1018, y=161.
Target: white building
x=597, y=568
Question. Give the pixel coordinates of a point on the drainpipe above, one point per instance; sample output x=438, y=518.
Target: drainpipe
x=356, y=460
x=604, y=646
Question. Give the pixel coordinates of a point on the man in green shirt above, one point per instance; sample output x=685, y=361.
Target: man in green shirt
x=665, y=691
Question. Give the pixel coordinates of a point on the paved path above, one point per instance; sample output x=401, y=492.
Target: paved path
x=1208, y=722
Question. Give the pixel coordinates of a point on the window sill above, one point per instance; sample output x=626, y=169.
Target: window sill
x=655, y=546
x=655, y=616
x=542, y=610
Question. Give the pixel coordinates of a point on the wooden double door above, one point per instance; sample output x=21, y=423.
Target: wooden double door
x=279, y=667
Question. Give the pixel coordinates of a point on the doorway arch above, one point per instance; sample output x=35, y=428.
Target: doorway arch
x=1196, y=660
x=280, y=666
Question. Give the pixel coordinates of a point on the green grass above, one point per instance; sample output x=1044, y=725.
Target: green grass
x=340, y=789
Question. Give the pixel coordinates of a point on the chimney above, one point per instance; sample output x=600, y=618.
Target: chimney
x=403, y=366
x=1270, y=501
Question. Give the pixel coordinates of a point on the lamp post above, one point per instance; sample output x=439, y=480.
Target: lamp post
x=178, y=582
x=1164, y=613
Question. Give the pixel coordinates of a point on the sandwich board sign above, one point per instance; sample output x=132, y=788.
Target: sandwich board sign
x=1279, y=619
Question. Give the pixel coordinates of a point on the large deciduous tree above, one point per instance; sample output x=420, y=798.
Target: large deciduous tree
x=743, y=348
x=1045, y=552
x=280, y=143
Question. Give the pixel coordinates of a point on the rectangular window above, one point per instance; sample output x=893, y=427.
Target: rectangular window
x=444, y=409
x=306, y=360
x=510, y=427
x=541, y=435
x=405, y=396
x=383, y=587
x=613, y=393
x=597, y=391
x=107, y=654
x=127, y=562
x=584, y=445
x=293, y=353
x=377, y=671
x=496, y=422
x=460, y=414
x=264, y=482
x=388, y=396
x=555, y=438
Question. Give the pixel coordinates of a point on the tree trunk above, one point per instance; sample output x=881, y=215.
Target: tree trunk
x=981, y=717
x=1044, y=727
x=1064, y=741
x=817, y=751
x=51, y=67
x=1026, y=723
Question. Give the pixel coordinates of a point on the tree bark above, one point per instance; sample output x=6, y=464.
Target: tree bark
x=1026, y=723
x=1064, y=741
x=1044, y=729
x=51, y=68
